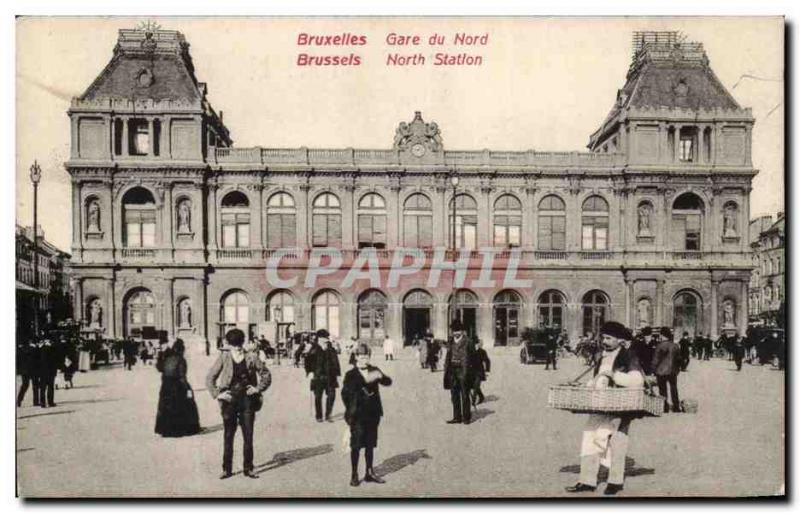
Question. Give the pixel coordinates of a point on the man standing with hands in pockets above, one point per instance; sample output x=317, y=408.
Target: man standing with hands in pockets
x=237, y=380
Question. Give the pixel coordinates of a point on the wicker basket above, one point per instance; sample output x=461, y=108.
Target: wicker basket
x=581, y=399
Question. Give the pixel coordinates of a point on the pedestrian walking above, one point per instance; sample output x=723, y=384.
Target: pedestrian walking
x=237, y=380
x=685, y=344
x=551, y=347
x=605, y=436
x=388, y=348
x=50, y=360
x=27, y=354
x=322, y=364
x=84, y=356
x=737, y=348
x=177, y=411
x=423, y=348
x=363, y=411
x=129, y=352
x=433, y=354
x=481, y=368
x=458, y=373
x=667, y=362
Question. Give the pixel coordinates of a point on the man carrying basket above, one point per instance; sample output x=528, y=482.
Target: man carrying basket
x=605, y=437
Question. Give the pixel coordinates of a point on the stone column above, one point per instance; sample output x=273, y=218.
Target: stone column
x=78, y=310
x=677, y=156
x=258, y=215
x=77, y=216
x=395, y=324
x=485, y=320
x=659, y=306
x=440, y=320
x=303, y=217
x=743, y=308
x=663, y=135
x=213, y=221
x=529, y=219
x=441, y=219
x=394, y=219
x=199, y=309
x=630, y=303
x=748, y=145
x=349, y=235
x=125, y=139
x=714, y=308
x=110, y=313
x=152, y=136
x=485, y=235
x=169, y=216
x=169, y=311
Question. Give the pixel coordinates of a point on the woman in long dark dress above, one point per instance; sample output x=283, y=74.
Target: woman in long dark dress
x=177, y=412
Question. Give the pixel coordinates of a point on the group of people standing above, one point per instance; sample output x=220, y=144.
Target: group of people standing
x=38, y=364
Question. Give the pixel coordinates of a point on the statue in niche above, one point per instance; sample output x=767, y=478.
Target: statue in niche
x=727, y=313
x=184, y=217
x=729, y=221
x=184, y=314
x=95, y=313
x=644, y=219
x=644, y=312
x=93, y=217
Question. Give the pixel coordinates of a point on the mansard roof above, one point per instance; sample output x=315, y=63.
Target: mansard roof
x=150, y=65
x=667, y=72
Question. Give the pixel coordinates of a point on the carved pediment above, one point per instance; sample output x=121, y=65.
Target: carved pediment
x=418, y=136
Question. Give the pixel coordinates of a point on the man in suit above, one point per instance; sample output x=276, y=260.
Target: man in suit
x=322, y=363
x=458, y=373
x=50, y=358
x=236, y=380
x=551, y=346
x=738, y=351
x=481, y=367
x=606, y=435
x=667, y=362
x=26, y=368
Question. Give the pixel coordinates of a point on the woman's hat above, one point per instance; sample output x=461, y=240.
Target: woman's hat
x=323, y=333
x=363, y=349
x=235, y=337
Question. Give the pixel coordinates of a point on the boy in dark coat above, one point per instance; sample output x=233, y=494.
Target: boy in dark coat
x=667, y=362
x=363, y=411
x=482, y=366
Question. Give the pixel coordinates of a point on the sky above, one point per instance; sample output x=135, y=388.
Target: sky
x=545, y=84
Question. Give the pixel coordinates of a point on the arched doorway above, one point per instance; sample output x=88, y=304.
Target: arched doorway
x=686, y=313
x=139, y=313
x=595, y=311
x=464, y=307
x=372, y=316
x=507, y=307
x=417, y=307
x=325, y=312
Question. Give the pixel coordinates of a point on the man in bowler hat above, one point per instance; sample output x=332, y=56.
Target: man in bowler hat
x=458, y=372
x=666, y=364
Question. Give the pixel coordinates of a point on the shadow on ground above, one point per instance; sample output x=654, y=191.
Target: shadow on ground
x=89, y=401
x=631, y=470
x=491, y=398
x=480, y=414
x=401, y=461
x=61, y=412
x=285, y=458
x=211, y=429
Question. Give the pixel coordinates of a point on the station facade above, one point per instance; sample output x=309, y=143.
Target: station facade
x=174, y=226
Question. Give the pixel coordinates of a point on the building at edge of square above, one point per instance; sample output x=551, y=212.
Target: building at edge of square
x=173, y=224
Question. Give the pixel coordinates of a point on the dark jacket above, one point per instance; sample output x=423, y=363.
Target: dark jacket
x=220, y=375
x=324, y=363
x=51, y=359
x=481, y=364
x=667, y=359
x=644, y=353
x=625, y=361
x=457, y=362
x=362, y=401
x=26, y=359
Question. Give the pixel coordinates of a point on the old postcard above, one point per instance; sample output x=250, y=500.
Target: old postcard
x=409, y=257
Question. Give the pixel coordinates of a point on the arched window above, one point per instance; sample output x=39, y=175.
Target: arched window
x=372, y=221
x=236, y=308
x=687, y=222
x=327, y=221
x=551, y=309
x=139, y=218
x=594, y=224
x=281, y=221
x=417, y=222
x=280, y=306
x=507, y=221
x=686, y=311
x=325, y=314
x=140, y=311
x=595, y=311
x=466, y=221
x=235, y=220
x=552, y=224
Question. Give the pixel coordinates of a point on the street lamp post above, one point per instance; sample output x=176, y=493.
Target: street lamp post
x=36, y=176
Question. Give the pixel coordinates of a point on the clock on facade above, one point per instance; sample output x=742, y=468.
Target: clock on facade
x=418, y=150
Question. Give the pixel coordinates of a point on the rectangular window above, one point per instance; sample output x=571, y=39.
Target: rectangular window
x=514, y=235
x=235, y=230
x=138, y=137
x=686, y=149
x=372, y=231
x=281, y=230
x=327, y=230
x=134, y=235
